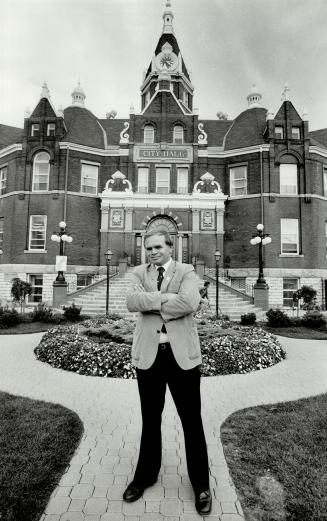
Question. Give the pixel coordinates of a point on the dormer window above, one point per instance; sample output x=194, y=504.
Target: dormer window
x=185, y=98
x=35, y=130
x=51, y=129
x=279, y=132
x=147, y=97
x=178, y=135
x=296, y=134
x=148, y=136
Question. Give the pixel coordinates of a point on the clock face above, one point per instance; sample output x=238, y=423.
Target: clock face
x=166, y=61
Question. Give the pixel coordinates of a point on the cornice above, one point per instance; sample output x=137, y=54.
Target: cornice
x=96, y=151
x=10, y=149
x=317, y=150
x=219, y=153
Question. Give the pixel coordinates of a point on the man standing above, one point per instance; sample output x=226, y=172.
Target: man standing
x=166, y=350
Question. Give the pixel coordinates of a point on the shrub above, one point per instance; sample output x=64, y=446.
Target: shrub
x=72, y=313
x=8, y=317
x=277, y=318
x=313, y=320
x=42, y=314
x=248, y=319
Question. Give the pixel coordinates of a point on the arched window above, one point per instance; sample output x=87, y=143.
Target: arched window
x=41, y=171
x=288, y=175
x=148, y=134
x=178, y=134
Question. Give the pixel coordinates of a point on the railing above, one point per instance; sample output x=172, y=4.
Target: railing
x=239, y=284
x=96, y=276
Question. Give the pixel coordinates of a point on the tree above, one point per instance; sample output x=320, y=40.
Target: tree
x=308, y=294
x=19, y=290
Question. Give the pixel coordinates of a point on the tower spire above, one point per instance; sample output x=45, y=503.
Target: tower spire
x=168, y=18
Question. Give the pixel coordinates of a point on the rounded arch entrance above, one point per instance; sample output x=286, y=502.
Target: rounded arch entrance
x=167, y=224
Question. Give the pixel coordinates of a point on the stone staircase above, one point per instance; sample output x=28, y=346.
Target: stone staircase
x=93, y=299
x=232, y=303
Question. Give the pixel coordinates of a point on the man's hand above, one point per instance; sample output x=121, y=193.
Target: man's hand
x=166, y=297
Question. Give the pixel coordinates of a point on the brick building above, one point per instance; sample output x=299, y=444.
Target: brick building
x=209, y=182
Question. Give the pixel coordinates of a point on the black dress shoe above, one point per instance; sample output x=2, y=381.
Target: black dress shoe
x=203, y=502
x=133, y=492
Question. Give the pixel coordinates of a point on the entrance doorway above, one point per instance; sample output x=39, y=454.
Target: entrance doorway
x=180, y=242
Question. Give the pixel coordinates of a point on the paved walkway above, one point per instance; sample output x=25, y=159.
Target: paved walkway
x=92, y=487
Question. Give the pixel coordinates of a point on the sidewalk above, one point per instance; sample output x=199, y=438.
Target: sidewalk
x=91, y=489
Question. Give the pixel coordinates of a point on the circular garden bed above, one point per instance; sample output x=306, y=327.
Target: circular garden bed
x=102, y=347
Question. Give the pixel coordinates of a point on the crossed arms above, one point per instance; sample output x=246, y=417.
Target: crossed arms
x=169, y=305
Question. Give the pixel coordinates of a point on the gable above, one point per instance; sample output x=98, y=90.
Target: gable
x=43, y=110
x=293, y=115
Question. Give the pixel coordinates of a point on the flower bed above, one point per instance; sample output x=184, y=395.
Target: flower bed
x=102, y=347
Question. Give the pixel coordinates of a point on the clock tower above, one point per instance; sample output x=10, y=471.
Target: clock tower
x=167, y=71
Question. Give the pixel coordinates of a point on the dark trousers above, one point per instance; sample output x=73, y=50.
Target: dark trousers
x=184, y=386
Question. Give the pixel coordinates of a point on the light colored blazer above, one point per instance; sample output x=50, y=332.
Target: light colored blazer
x=177, y=314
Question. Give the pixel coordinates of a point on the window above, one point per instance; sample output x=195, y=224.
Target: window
x=143, y=180
x=1, y=232
x=178, y=135
x=182, y=180
x=3, y=179
x=279, y=132
x=289, y=236
x=41, y=170
x=288, y=179
x=238, y=180
x=37, y=286
x=296, y=133
x=38, y=225
x=89, y=179
x=35, y=130
x=162, y=180
x=51, y=129
x=289, y=287
x=325, y=181
x=148, y=134
x=147, y=97
x=83, y=280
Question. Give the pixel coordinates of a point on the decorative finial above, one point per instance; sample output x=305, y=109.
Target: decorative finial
x=254, y=98
x=286, y=93
x=45, y=91
x=132, y=109
x=168, y=18
x=27, y=112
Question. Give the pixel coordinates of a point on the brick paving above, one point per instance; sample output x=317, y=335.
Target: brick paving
x=92, y=487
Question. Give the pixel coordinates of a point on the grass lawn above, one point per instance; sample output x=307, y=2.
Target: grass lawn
x=28, y=327
x=278, y=460
x=298, y=332
x=37, y=441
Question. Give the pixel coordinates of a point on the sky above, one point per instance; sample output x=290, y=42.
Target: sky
x=228, y=45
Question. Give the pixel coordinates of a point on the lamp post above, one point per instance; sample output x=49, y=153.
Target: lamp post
x=261, y=239
x=108, y=256
x=217, y=257
x=261, y=287
x=61, y=237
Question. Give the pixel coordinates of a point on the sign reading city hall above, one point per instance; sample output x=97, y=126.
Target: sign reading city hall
x=170, y=154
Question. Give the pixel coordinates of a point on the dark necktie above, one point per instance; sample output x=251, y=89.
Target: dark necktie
x=161, y=270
